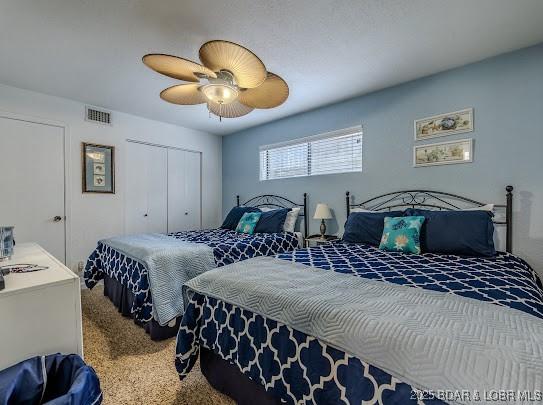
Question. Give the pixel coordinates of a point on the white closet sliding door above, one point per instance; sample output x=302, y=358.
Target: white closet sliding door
x=157, y=186
x=176, y=190
x=193, y=187
x=163, y=189
x=184, y=190
x=146, y=199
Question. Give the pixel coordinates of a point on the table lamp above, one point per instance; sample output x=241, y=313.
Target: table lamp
x=322, y=212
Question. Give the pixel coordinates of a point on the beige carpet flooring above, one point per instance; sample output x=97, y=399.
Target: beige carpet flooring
x=132, y=368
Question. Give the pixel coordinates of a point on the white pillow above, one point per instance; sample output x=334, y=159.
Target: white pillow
x=267, y=209
x=358, y=209
x=487, y=207
x=290, y=221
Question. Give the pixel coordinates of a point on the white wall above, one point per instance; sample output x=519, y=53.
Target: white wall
x=91, y=217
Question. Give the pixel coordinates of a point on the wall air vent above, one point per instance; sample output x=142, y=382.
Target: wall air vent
x=95, y=115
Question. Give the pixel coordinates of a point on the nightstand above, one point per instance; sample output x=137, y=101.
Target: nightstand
x=317, y=240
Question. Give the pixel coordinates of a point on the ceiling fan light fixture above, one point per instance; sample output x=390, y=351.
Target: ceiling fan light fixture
x=220, y=93
x=222, y=89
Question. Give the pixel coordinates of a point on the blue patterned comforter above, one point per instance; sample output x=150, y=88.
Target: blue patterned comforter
x=228, y=247
x=299, y=368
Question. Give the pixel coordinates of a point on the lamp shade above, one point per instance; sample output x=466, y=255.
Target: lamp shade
x=322, y=212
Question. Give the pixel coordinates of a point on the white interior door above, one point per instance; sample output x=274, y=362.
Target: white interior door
x=146, y=189
x=32, y=172
x=184, y=190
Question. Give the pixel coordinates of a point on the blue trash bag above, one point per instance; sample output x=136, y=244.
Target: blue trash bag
x=53, y=380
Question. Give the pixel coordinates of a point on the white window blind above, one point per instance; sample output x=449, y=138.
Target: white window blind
x=332, y=152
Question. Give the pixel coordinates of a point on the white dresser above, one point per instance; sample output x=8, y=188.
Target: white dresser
x=40, y=312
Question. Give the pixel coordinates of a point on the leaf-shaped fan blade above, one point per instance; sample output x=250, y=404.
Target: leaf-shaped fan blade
x=231, y=110
x=184, y=94
x=246, y=67
x=176, y=67
x=272, y=93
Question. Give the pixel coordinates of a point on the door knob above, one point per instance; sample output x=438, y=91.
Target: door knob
x=57, y=218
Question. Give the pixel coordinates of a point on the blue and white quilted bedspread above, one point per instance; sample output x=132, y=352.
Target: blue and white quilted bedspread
x=228, y=247
x=299, y=368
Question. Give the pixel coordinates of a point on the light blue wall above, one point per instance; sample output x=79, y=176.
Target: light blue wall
x=506, y=93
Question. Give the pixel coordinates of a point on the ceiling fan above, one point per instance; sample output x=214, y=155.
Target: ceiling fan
x=235, y=80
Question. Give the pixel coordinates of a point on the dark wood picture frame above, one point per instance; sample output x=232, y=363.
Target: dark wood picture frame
x=85, y=185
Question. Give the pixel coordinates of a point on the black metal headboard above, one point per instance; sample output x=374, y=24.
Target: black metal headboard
x=276, y=201
x=436, y=200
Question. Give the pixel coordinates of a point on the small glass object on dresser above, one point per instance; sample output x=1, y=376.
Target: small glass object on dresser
x=6, y=242
x=317, y=239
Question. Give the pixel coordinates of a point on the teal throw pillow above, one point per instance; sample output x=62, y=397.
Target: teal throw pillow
x=401, y=234
x=248, y=221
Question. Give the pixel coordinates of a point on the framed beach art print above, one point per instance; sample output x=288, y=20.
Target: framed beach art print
x=98, y=168
x=443, y=153
x=456, y=122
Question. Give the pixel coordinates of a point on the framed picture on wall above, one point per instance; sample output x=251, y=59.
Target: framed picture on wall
x=98, y=168
x=456, y=122
x=444, y=153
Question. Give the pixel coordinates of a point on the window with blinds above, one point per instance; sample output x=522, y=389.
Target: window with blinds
x=332, y=152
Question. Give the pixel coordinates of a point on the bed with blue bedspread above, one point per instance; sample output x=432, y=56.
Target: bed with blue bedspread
x=298, y=367
x=226, y=247
x=350, y=323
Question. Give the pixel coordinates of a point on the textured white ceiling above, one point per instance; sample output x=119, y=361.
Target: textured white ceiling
x=90, y=50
